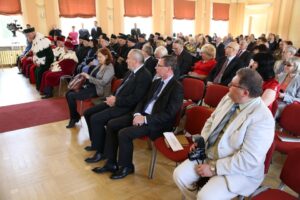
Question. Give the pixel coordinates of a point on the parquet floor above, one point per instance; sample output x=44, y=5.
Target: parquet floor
x=47, y=161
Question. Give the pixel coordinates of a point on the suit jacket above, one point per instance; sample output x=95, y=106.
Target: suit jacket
x=185, y=62
x=95, y=33
x=134, y=90
x=165, y=108
x=244, y=144
x=220, y=51
x=245, y=58
x=234, y=65
x=135, y=33
x=292, y=92
x=150, y=64
x=103, y=80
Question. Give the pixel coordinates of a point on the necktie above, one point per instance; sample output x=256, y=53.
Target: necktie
x=131, y=75
x=155, y=95
x=239, y=53
x=214, y=135
x=217, y=79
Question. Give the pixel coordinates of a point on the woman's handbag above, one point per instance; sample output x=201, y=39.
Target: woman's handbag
x=77, y=83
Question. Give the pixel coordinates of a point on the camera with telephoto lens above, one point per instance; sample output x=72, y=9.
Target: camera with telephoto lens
x=13, y=27
x=199, y=152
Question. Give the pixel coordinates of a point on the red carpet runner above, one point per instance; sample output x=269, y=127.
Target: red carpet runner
x=33, y=113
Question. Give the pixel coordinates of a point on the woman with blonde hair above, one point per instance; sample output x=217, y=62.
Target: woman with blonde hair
x=202, y=68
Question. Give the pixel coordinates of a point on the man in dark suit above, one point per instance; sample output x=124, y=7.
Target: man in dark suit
x=226, y=67
x=184, y=59
x=131, y=91
x=154, y=115
x=135, y=32
x=244, y=55
x=150, y=61
x=120, y=65
x=220, y=48
x=96, y=31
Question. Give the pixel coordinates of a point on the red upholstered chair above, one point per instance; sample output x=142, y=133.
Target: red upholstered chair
x=195, y=120
x=193, y=90
x=214, y=93
x=68, y=68
x=289, y=176
x=269, y=156
x=115, y=83
x=289, y=122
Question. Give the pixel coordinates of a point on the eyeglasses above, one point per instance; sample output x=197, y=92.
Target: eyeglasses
x=288, y=64
x=229, y=47
x=158, y=65
x=237, y=86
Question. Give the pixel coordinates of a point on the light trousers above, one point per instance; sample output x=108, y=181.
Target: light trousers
x=215, y=189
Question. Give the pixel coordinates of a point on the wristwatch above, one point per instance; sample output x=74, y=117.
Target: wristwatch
x=212, y=167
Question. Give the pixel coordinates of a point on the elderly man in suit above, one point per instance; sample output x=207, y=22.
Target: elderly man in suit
x=150, y=61
x=154, y=115
x=243, y=54
x=237, y=135
x=131, y=91
x=185, y=60
x=226, y=67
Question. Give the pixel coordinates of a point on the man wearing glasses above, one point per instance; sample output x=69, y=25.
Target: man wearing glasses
x=226, y=67
x=237, y=137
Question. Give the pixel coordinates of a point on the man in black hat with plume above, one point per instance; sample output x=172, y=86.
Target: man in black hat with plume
x=42, y=53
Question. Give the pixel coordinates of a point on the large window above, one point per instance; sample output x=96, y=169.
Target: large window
x=219, y=27
x=6, y=36
x=67, y=23
x=189, y=26
x=143, y=23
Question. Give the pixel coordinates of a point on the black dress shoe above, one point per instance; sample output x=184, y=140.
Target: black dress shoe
x=90, y=148
x=122, y=172
x=72, y=123
x=106, y=168
x=95, y=158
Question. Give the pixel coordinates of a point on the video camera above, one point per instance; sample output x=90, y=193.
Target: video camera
x=198, y=153
x=13, y=27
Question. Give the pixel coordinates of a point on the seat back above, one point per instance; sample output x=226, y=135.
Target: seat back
x=68, y=66
x=290, y=172
x=196, y=118
x=289, y=119
x=214, y=93
x=193, y=89
x=115, y=83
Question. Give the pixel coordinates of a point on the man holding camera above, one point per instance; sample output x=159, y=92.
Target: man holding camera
x=237, y=137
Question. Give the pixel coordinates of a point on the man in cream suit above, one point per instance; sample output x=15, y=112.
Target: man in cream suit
x=236, y=154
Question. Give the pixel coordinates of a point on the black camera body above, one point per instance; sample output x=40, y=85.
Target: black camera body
x=199, y=153
x=13, y=27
